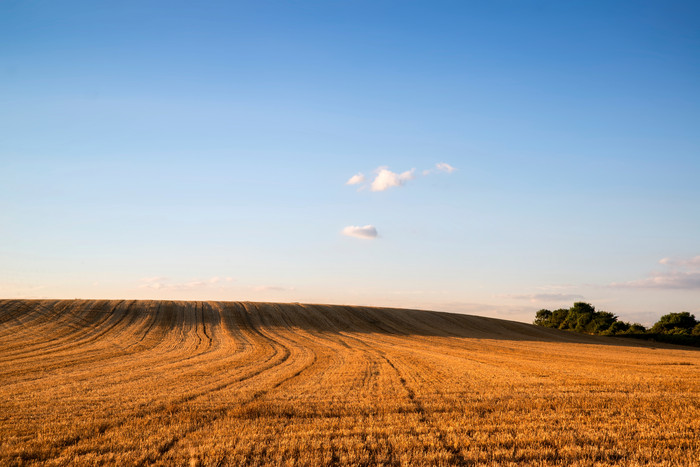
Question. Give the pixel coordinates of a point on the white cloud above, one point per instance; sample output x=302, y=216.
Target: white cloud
x=16, y=289
x=681, y=274
x=519, y=313
x=155, y=282
x=665, y=280
x=547, y=297
x=445, y=167
x=164, y=283
x=688, y=263
x=356, y=179
x=272, y=288
x=367, y=232
x=386, y=179
x=440, y=167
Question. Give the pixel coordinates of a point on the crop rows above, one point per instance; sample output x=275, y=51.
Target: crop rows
x=230, y=383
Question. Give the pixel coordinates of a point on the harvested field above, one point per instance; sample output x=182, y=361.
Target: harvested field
x=229, y=383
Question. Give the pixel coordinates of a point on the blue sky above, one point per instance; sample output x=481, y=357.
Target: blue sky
x=202, y=151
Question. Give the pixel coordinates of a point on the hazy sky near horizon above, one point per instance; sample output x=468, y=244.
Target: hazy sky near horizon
x=485, y=157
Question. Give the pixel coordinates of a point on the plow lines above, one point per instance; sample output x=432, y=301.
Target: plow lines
x=228, y=383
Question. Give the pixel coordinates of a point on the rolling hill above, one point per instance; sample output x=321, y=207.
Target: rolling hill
x=228, y=383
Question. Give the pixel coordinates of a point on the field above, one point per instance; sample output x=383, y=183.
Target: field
x=229, y=383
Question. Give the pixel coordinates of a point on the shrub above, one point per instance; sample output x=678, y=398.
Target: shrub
x=618, y=327
x=675, y=323
x=636, y=328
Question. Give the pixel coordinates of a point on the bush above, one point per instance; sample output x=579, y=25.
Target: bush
x=636, y=328
x=550, y=319
x=618, y=327
x=675, y=323
x=543, y=318
x=581, y=317
x=674, y=328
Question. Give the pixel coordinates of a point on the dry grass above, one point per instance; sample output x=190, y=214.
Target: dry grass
x=228, y=383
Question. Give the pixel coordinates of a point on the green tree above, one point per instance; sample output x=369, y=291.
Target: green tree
x=675, y=323
x=543, y=317
x=637, y=328
x=578, y=317
x=618, y=327
x=582, y=308
x=604, y=320
x=558, y=317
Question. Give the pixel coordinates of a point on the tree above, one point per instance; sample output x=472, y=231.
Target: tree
x=637, y=328
x=603, y=320
x=578, y=317
x=618, y=327
x=678, y=328
x=558, y=317
x=675, y=323
x=581, y=317
x=543, y=317
x=582, y=308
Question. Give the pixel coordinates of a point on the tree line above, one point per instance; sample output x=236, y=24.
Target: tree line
x=679, y=328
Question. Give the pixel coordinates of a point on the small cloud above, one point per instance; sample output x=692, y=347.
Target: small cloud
x=18, y=289
x=155, y=282
x=665, y=280
x=682, y=263
x=445, y=167
x=520, y=313
x=163, y=283
x=386, y=179
x=547, y=297
x=440, y=167
x=367, y=232
x=356, y=179
x=682, y=274
x=154, y=279
x=272, y=288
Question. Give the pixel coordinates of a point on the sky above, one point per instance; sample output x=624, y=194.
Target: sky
x=483, y=157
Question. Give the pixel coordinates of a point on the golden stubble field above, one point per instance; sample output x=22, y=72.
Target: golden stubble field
x=229, y=383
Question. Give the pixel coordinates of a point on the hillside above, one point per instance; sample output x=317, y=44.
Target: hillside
x=225, y=383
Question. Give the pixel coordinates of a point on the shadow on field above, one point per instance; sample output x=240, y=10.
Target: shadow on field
x=79, y=315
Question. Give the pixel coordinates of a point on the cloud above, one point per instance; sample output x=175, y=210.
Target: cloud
x=272, y=288
x=665, y=280
x=16, y=289
x=681, y=274
x=367, y=232
x=155, y=282
x=547, y=297
x=686, y=263
x=386, y=179
x=440, y=167
x=356, y=179
x=164, y=283
x=519, y=313
x=445, y=167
